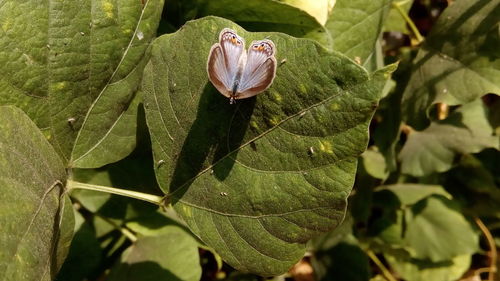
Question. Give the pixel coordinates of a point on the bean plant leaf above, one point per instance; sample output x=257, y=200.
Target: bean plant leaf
x=355, y=26
x=265, y=15
x=459, y=61
x=258, y=179
x=73, y=67
x=466, y=130
x=437, y=232
x=37, y=218
x=422, y=221
x=170, y=256
x=424, y=270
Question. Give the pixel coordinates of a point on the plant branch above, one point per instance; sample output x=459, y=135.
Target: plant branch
x=387, y=274
x=493, y=249
x=411, y=24
x=155, y=199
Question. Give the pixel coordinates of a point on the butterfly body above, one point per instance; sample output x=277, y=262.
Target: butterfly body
x=236, y=73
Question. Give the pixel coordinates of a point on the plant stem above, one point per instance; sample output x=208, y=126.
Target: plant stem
x=411, y=24
x=493, y=249
x=125, y=231
x=155, y=199
x=381, y=266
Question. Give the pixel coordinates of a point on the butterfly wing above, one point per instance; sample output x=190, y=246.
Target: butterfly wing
x=224, y=59
x=260, y=69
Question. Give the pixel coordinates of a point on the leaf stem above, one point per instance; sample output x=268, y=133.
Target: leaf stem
x=411, y=24
x=155, y=199
x=125, y=231
x=387, y=274
x=493, y=249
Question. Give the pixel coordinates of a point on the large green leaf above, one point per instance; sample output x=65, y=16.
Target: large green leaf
x=36, y=216
x=459, y=62
x=266, y=15
x=74, y=67
x=256, y=180
x=355, y=26
x=170, y=256
x=466, y=130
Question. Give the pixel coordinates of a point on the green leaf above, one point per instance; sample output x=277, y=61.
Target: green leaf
x=374, y=164
x=355, y=26
x=437, y=232
x=74, y=67
x=421, y=270
x=267, y=15
x=466, y=130
x=409, y=194
x=257, y=180
x=395, y=21
x=36, y=216
x=459, y=61
x=172, y=255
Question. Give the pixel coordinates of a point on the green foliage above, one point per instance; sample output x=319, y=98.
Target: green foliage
x=96, y=100
x=74, y=68
x=459, y=61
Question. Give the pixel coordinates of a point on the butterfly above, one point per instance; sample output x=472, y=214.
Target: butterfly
x=237, y=73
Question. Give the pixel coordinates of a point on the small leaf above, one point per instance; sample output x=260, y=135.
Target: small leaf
x=257, y=180
x=437, y=232
x=421, y=270
x=459, y=61
x=37, y=218
x=172, y=255
x=409, y=194
x=433, y=150
x=355, y=26
x=374, y=163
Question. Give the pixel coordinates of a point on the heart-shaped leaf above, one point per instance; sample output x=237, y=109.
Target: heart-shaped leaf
x=37, y=218
x=256, y=180
x=74, y=67
x=459, y=61
x=466, y=130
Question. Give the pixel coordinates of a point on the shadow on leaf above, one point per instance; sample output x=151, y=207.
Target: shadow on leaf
x=216, y=133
